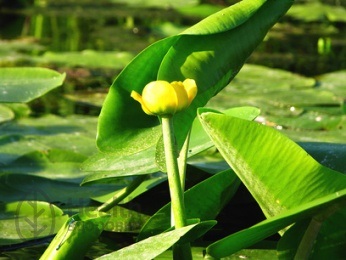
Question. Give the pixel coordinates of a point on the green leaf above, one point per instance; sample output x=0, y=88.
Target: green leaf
x=60, y=164
x=14, y=187
x=248, y=237
x=76, y=236
x=26, y=220
x=260, y=149
x=89, y=58
x=25, y=84
x=334, y=82
x=317, y=11
x=279, y=174
x=27, y=135
x=156, y=245
x=200, y=141
x=146, y=185
x=219, y=45
x=203, y=201
x=109, y=166
x=6, y=114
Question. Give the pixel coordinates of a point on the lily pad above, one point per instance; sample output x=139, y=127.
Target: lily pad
x=6, y=114
x=25, y=84
x=15, y=187
x=89, y=58
x=26, y=220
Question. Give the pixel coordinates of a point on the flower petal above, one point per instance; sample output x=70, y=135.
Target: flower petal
x=190, y=88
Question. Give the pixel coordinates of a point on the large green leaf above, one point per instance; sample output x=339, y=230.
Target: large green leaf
x=279, y=174
x=106, y=167
x=156, y=245
x=25, y=84
x=26, y=220
x=211, y=52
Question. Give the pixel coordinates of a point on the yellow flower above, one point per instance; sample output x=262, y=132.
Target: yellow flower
x=161, y=98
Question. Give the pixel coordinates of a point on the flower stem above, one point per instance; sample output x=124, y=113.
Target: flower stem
x=175, y=189
x=180, y=251
x=123, y=193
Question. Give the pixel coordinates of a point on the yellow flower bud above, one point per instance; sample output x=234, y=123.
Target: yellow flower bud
x=161, y=98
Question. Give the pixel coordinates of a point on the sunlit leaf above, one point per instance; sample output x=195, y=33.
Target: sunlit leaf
x=25, y=84
x=200, y=140
x=279, y=174
x=204, y=47
x=108, y=166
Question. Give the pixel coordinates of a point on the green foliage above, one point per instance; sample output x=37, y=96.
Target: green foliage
x=296, y=185
x=203, y=201
x=88, y=58
x=26, y=84
x=156, y=245
x=203, y=47
x=26, y=220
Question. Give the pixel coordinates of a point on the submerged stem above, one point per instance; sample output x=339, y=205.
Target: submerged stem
x=308, y=240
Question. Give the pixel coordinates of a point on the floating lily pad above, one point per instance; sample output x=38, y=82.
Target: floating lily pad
x=15, y=187
x=318, y=12
x=334, y=82
x=89, y=58
x=74, y=133
x=26, y=220
x=25, y=84
x=6, y=114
